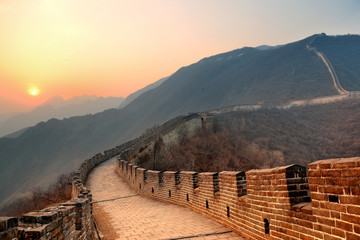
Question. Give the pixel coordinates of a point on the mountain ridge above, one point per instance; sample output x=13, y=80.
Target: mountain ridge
x=243, y=76
x=134, y=95
x=59, y=108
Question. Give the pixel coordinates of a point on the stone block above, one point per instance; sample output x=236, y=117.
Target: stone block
x=8, y=223
x=39, y=217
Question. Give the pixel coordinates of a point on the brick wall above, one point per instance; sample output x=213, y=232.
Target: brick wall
x=73, y=219
x=278, y=203
x=8, y=227
x=69, y=220
x=335, y=194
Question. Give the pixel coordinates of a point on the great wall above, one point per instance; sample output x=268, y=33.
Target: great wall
x=74, y=219
x=288, y=202
x=280, y=203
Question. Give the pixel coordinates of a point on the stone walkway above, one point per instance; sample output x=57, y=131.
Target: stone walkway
x=121, y=213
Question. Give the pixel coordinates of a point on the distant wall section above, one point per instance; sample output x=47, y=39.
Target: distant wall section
x=74, y=219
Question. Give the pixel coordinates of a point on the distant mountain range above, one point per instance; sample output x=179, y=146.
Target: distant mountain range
x=273, y=76
x=134, y=95
x=58, y=108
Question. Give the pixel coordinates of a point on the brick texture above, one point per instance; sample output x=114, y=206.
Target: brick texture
x=280, y=203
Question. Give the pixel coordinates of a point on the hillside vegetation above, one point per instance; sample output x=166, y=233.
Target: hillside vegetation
x=263, y=139
x=243, y=76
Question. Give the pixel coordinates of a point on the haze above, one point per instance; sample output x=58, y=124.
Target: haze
x=112, y=48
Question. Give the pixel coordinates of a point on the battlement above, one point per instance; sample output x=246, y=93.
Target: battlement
x=69, y=220
x=76, y=222
x=279, y=203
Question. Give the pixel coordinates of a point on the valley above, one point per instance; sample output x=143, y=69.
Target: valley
x=286, y=76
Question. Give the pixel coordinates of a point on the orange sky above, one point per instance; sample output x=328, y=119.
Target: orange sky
x=114, y=47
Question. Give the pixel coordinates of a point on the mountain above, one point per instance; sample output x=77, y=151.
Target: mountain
x=343, y=53
x=265, y=138
x=264, y=47
x=17, y=133
x=59, y=108
x=301, y=134
x=6, y=116
x=134, y=95
x=243, y=76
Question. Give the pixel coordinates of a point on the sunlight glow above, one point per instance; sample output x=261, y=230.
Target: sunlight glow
x=113, y=48
x=33, y=91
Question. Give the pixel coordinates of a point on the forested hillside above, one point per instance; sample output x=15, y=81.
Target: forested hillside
x=265, y=138
x=243, y=76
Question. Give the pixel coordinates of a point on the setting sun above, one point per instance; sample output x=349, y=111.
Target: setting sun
x=33, y=91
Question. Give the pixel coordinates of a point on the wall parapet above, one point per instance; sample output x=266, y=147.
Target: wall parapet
x=69, y=220
x=76, y=214
x=286, y=202
x=280, y=203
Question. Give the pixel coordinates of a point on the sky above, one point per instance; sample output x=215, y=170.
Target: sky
x=112, y=48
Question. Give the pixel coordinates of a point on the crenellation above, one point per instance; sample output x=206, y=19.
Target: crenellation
x=280, y=203
x=69, y=220
x=208, y=181
x=160, y=177
x=135, y=171
x=79, y=224
x=177, y=178
x=8, y=228
x=208, y=193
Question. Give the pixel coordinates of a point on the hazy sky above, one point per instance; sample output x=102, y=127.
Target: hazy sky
x=114, y=47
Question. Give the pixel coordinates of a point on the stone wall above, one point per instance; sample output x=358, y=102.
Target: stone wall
x=69, y=220
x=8, y=227
x=174, y=136
x=73, y=219
x=278, y=203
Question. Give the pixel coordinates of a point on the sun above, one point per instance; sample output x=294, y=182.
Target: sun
x=33, y=91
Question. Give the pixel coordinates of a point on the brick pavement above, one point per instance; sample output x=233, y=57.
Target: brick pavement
x=121, y=213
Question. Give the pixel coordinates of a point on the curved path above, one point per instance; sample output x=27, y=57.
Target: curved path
x=121, y=213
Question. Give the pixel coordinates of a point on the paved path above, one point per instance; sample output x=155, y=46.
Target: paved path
x=120, y=213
